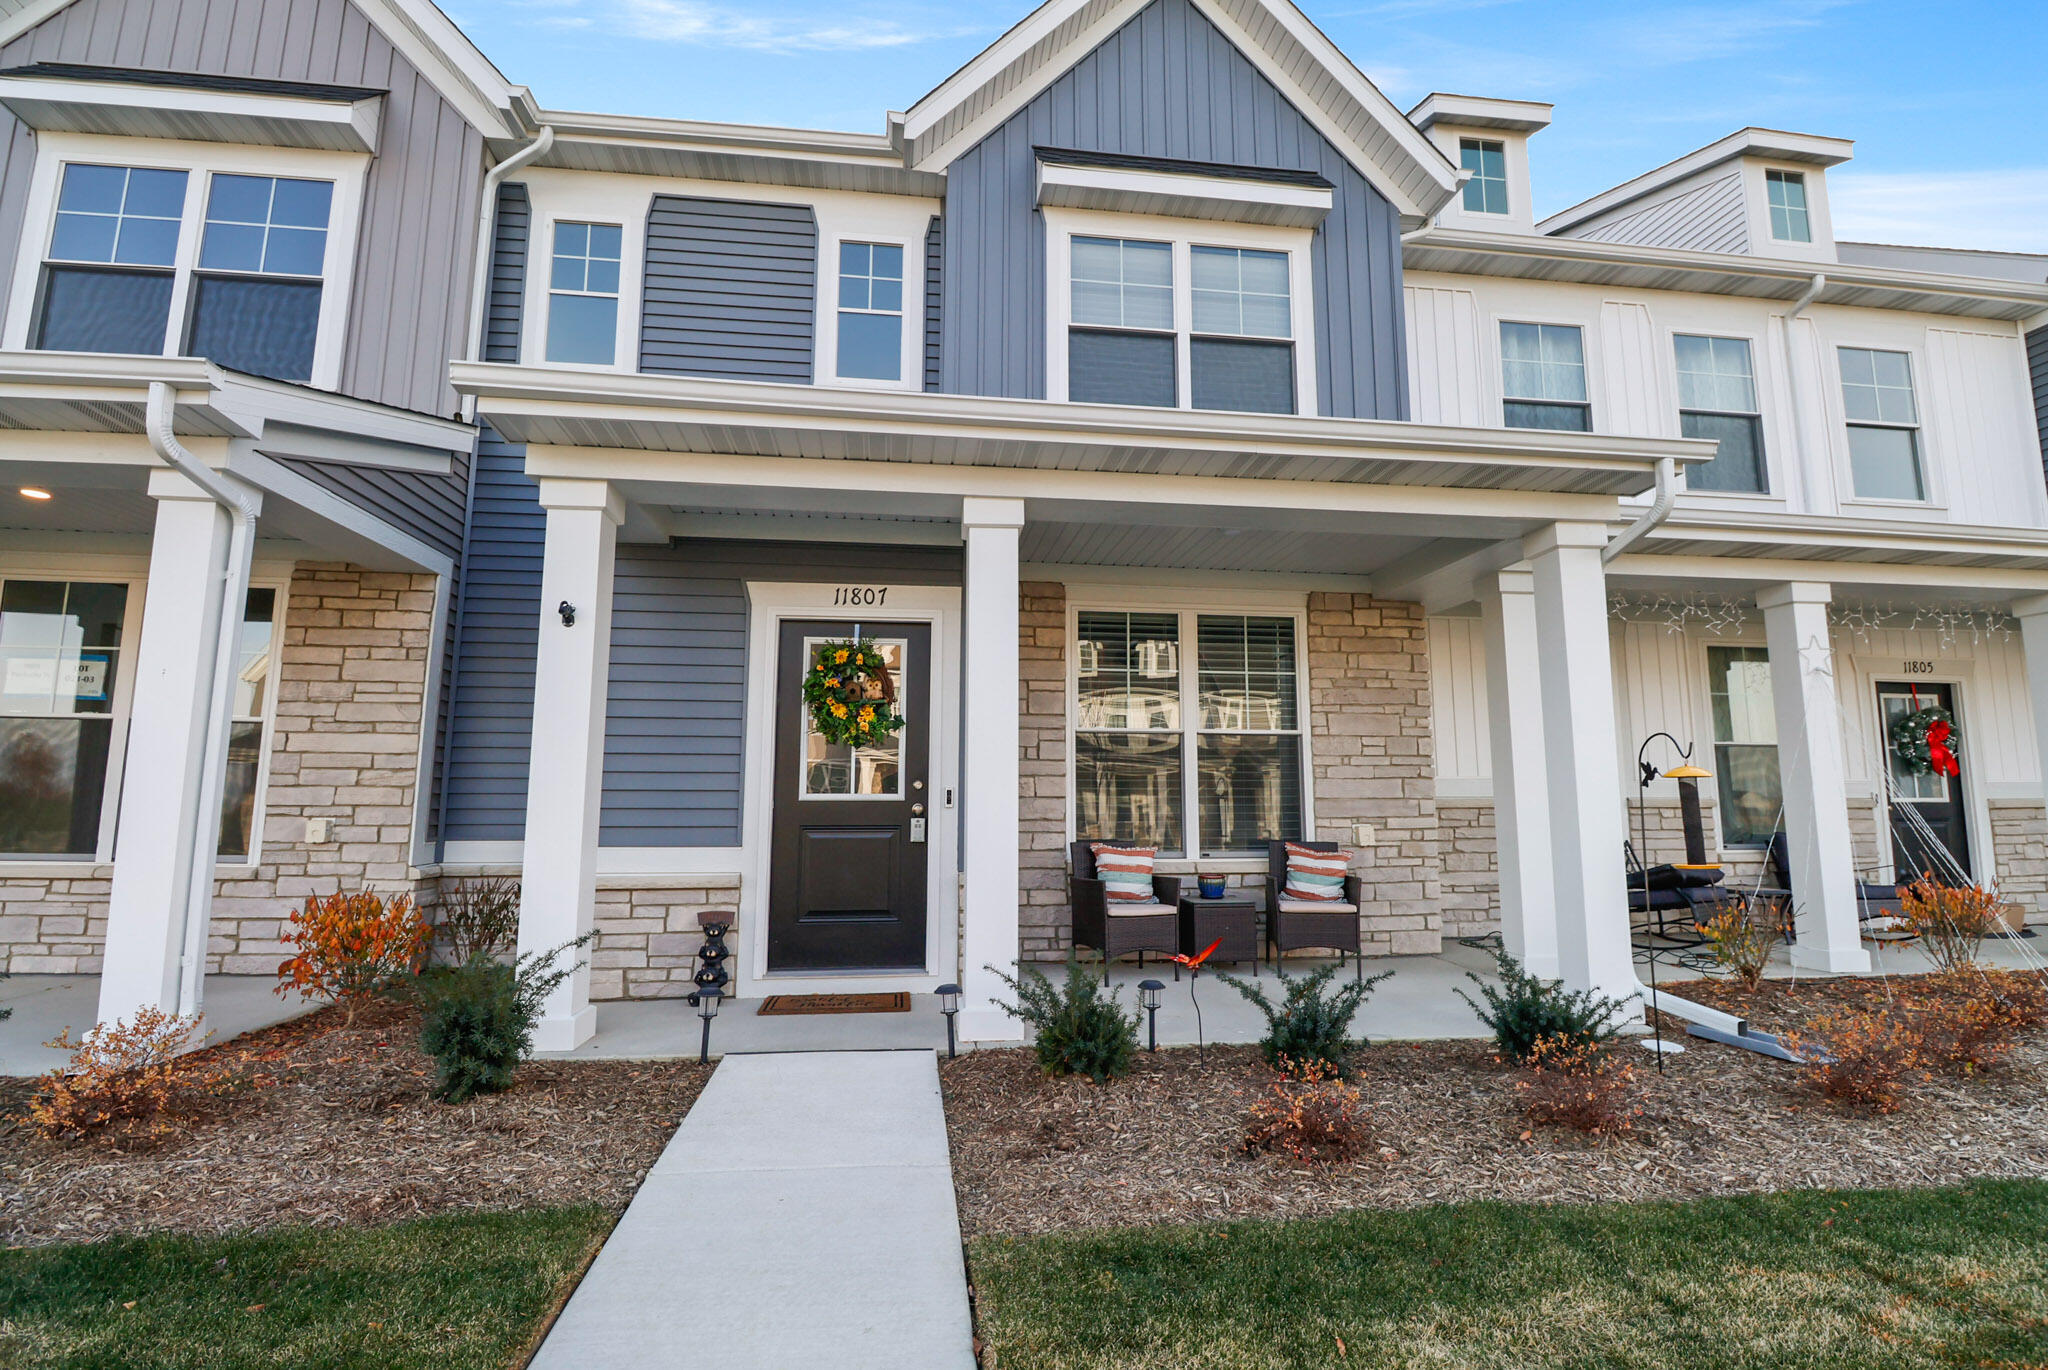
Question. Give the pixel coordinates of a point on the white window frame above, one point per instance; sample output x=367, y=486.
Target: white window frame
x=1062, y=226
x=1190, y=604
x=280, y=607
x=620, y=332
x=1588, y=341
x=1933, y=489
x=1805, y=209
x=886, y=234
x=1704, y=663
x=201, y=162
x=1773, y=482
x=1507, y=187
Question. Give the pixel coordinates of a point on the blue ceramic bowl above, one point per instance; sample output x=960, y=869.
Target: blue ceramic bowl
x=1212, y=886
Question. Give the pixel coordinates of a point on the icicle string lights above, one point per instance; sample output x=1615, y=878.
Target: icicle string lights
x=1722, y=615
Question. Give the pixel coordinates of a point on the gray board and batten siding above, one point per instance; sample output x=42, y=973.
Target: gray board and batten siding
x=407, y=310
x=1168, y=84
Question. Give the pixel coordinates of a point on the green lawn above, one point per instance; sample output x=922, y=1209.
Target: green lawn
x=1951, y=1277
x=450, y=1292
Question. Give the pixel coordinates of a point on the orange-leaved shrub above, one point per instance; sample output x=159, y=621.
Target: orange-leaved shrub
x=1310, y=1115
x=1579, y=1085
x=1862, y=1059
x=1951, y=921
x=140, y=1073
x=1744, y=937
x=351, y=946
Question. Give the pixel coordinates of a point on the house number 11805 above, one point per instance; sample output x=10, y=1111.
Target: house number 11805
x=861, y=596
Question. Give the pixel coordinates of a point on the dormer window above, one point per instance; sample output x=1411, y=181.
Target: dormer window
x=1182, y=324
x=1786, y=191
x=1486, y=190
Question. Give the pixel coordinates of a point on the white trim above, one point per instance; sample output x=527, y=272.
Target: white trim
x=769, y=604
x=267, y=720
x=1189, y=603
x=638, y=863
x=347, y=170
x=1062, y=226
x=1181, y=195
x=136, y=109
x=423, y=790
x=1934, y=483
x=870, y=219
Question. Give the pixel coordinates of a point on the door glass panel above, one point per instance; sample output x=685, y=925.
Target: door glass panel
x=835, y=770
x=1930, y=787
x=60, y=645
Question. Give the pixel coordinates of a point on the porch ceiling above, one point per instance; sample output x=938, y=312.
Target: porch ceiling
x=554, y=408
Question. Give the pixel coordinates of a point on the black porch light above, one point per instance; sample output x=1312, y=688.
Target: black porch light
x=1148, y=995
x=949, y=1004
x=707, y=1009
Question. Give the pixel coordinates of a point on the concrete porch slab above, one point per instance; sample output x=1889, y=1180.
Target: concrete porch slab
x=44, y=1005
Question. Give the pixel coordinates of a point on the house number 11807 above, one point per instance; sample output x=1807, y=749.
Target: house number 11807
x=861, y=596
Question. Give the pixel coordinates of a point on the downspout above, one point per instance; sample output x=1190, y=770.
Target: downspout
x=479, y=297
x=1659, y=510
x=241, y=511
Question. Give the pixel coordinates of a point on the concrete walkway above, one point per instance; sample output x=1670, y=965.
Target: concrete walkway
x=801, y=1216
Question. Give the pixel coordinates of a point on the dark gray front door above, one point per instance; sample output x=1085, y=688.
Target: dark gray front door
x=846, y=888
x=1939, y=799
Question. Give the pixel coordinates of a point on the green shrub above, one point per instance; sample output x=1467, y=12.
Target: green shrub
x=1078, y=1030
x=1309, y=1024
x=1523, y=1010
x=477, y=1019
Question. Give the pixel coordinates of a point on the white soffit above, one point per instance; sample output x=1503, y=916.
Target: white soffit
x=1479, y=111
x=1182, y=194
x=1810, y=149
x=56, y=97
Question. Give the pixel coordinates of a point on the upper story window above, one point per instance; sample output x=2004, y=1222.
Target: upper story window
x=1884, y=424
x=870, y=311
x=583, y=294
x=1786, y=191
x=256, y=295
x=121, y=273
x=1543, y=377
x=1181, y=324
x=1486, y=191
x=1717, y=399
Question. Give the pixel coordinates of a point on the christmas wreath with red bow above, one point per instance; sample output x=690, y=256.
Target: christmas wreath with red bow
x=850, y=694
x=1925, y=740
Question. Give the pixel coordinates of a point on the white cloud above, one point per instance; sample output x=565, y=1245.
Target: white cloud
x=1677, y=37
x=1988, y=210
x=716, y=25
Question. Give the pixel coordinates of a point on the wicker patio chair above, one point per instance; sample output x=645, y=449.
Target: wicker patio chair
x=1300, y=924
x=1116, y=928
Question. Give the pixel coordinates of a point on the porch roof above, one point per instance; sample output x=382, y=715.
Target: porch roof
x=1765, y=537
x=553, y=407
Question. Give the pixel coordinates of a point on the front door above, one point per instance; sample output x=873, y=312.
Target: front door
x=846, y=888
x=1937, y=799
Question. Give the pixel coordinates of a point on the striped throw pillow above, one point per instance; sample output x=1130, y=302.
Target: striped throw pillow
x=1313, y=874
x=1125, y=872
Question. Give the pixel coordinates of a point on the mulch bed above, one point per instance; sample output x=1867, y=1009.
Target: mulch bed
x=1033, y=1154
x=347, y=1135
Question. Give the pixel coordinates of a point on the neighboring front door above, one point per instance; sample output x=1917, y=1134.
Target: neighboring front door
x=846, y=888
x=1938, y=799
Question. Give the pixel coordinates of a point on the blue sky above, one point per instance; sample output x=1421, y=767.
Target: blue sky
x=1948, y=104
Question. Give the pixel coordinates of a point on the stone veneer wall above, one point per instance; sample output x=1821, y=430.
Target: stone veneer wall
x=1470, y=897
x=1373, y=761
x=647, y=933
x=350, y=681
x=2019, y=835
x=1045, y=925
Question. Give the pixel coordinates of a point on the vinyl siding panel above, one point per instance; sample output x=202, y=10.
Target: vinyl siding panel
x=407, y=310
x=1168, y=84
x=2037, y=366
x=1706, y=218
x=1974, y=407
x=730, y=289
x=1445, y=359
x=934, y=313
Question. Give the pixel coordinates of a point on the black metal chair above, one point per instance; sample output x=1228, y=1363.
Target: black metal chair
x=1660, y=891
x=1873, y=901
x=1304, y=924
x=1116, y=927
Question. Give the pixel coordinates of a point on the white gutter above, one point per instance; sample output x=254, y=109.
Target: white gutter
x=1659, y=510
x=241, y=511
x=486, y=221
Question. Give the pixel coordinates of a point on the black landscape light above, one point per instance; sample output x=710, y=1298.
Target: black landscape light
x=707, y=1009
x=949, y=1004
x=1148, y=995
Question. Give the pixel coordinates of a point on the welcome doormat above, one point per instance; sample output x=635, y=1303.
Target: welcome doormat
x=776, y=1005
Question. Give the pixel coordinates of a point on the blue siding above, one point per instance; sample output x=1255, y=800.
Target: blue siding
x=1168, y=84
x=2037, y=363
x=934, y=313
x=730, y=289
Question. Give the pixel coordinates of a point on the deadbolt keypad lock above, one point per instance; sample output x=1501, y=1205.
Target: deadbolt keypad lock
x=917, y=830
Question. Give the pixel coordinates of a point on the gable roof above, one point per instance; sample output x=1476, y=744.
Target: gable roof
x=1275, y=36
x=420, y=32
x=1779, y=146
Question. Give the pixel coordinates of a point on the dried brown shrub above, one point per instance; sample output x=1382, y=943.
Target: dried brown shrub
x=140, y=1075
x=351, y=946
x=1971, y=1018
x=1863, y=1059
x=1310, y=1115
x=1951, y=921
x=478, y=917
x=1743, y=938
x=1580, y=1086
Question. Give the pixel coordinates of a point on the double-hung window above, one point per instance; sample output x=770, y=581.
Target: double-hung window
x=1144, y=760
x=1717, y=400
x=1543, y=377
x=1745, y=744
x=122, y=271
x=1786, y=193
x=583, y=294
x=1883, y=422
x=256, y=295
x=255, y=669
x=870, y=311
x=61, y=658
x=1486, y=190
x=1169, y=324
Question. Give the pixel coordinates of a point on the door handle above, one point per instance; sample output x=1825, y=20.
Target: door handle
x=916, y=809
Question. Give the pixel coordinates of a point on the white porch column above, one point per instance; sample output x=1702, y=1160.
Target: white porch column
x=167, y=822
x=565, y=776
x=1811, y=772
x=989, y=780
x=1575, y=665
x=2032, y=613
x=1521, y=803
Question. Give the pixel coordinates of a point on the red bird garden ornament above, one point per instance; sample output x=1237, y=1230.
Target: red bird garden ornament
x=1194, y=965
